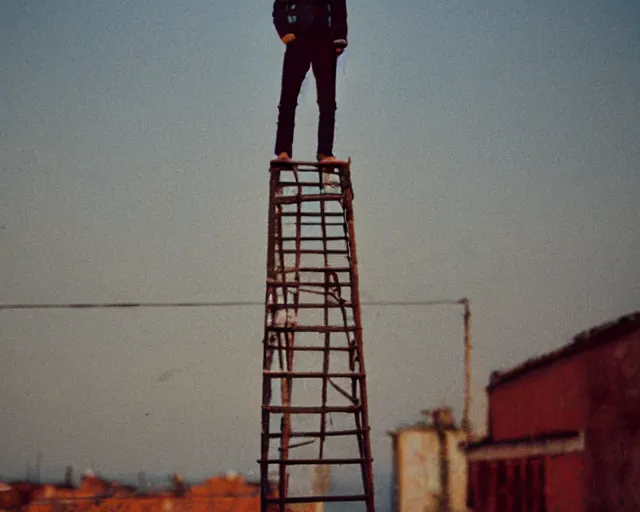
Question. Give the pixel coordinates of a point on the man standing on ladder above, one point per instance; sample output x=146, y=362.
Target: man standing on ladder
x=315, y=34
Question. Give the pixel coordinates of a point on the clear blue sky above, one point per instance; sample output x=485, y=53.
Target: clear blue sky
x=496, y=155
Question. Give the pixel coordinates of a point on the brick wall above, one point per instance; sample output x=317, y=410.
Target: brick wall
x=564, y=483
x=549, y=399
x=613, y=433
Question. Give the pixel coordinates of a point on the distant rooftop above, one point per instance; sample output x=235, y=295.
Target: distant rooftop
x=441, y=417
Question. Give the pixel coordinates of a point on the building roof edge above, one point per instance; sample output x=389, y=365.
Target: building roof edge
x=583, y=341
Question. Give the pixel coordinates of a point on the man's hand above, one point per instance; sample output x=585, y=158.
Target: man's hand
x=340, y=45
x=288, y=38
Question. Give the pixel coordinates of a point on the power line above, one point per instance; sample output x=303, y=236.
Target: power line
x=208, y=304
x=402, y=303
x=127, y=305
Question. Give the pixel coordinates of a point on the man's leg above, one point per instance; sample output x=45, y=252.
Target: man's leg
x=324, y=64
x=296, y=64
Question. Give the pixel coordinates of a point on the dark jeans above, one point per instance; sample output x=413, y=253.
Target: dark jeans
x=301, y=54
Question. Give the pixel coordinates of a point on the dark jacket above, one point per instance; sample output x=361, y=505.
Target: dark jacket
x=312, y=18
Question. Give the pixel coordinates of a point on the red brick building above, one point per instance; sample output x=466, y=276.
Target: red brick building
x=564, y=429
x=230, y=493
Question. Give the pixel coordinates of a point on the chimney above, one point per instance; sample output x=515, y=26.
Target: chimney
x=443, y=418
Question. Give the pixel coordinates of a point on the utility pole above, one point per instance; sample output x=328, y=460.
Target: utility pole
x=465, y=423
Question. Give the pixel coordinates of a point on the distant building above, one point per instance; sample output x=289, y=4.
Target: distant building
x=229, y=493
x=429, y=466
x=20, y=494
x=9, y=497
x=93, y=490
x=564, y=429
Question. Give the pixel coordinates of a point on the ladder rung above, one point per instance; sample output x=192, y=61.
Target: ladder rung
x=297, y=284
x=322, y=224
x=293, y=462
x=311, y=214
x=320, y=269
x=293, y=409
x=302, y=184
x=313, y=238
x=313, y=328
x=313, y=251
x=310, y=349
x=331, y=433
x=313, y=375
x=307, y=198
x=319, y=499
x=310, y=306
x=336, y=164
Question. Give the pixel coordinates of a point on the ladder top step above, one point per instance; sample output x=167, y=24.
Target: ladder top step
x=279, y=164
